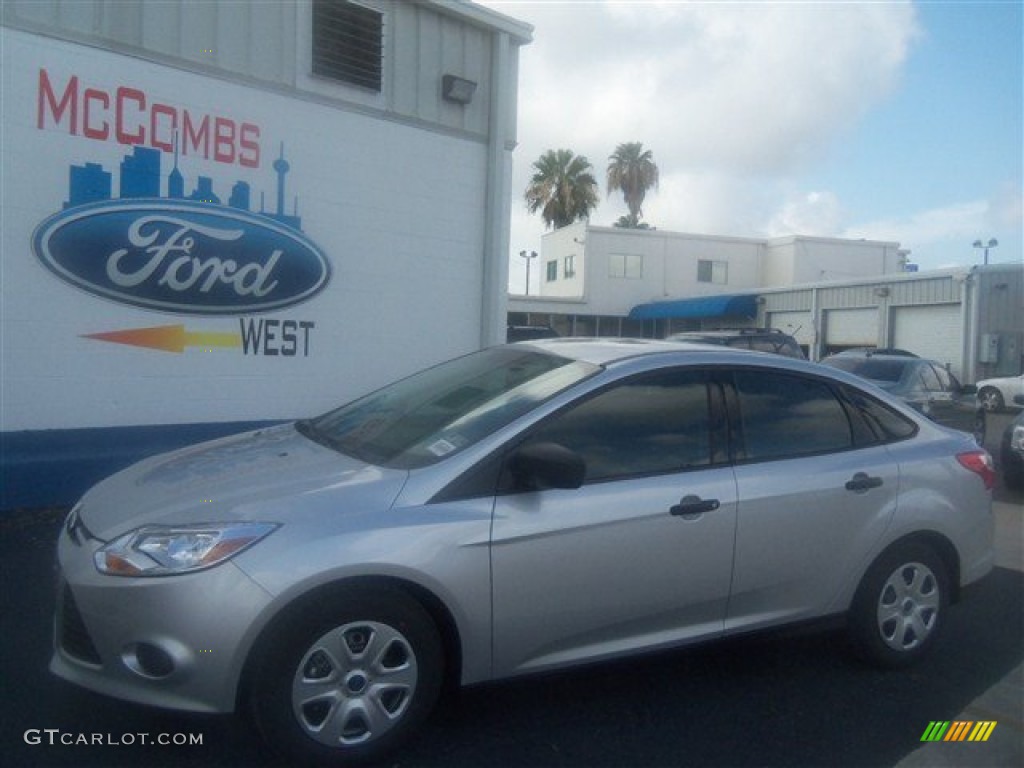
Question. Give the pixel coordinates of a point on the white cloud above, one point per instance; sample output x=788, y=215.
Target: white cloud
x=733, y=99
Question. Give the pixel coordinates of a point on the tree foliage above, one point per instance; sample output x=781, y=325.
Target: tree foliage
x=631, y=170
x=562, y=188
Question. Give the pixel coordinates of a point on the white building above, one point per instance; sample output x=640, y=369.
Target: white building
x=829, y=294
x=217, y=214
x=612, y=273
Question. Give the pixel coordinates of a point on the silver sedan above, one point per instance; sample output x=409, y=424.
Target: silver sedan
x=523, y=508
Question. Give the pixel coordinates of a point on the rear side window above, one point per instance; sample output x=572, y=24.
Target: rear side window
x=885, y=424
x=784, y=415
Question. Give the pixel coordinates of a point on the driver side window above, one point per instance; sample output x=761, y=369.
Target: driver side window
x=650, y=424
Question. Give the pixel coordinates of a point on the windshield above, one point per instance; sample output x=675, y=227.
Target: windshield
x=434, y=413
x=884, y=371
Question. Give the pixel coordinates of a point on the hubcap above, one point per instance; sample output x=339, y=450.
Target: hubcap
x=354, y=683
x=908, y=606
x=990, y=400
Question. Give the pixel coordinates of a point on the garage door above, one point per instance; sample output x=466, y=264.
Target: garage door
x=796, y=324
x=934, y=331
x=851, y=328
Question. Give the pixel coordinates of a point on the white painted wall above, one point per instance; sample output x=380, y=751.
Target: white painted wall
x=670, y=264
x=397, y=210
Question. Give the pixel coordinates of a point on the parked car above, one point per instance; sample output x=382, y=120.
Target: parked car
x=996, y=394
x=861, y=351
x=758, y=339
x=520, y=509
x=925, y=385
x=1011, y=450
x=516, y=333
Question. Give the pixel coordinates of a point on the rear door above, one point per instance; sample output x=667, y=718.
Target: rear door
x=811, y=502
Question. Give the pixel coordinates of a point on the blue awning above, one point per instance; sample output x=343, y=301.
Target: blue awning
x=705, y=306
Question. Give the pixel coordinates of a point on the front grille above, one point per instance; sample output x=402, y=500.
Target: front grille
x=72, y=634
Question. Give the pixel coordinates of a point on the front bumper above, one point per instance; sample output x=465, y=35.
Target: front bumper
x=178, y=642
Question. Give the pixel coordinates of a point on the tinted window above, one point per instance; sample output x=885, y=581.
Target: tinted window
x=648, y=425
x=783, y=415
x=885, y=424
x=927, y=379
x=870, y=368
x=947, y=380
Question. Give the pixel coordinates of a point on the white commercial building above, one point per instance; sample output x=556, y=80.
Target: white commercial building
x=830, y=294
x=223, y=213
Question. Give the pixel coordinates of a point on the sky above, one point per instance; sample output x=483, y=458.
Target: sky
x=892, y=121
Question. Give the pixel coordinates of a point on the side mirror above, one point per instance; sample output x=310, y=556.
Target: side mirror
x=540, y=466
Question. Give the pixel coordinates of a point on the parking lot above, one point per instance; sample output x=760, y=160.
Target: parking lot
x=793, y=698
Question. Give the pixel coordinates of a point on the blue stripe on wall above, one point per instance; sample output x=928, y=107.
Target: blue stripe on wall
x=44, y=468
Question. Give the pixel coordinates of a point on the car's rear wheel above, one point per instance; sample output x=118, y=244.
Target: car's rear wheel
x=347, y=680
x=990, y=399
x=900, y=606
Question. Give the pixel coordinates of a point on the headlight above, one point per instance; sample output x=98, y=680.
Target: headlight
x=157, y=550
x=1017, y=438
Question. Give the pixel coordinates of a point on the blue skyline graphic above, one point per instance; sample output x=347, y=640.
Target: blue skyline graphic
x=140, y=177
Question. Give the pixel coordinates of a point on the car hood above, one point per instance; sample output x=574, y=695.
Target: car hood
x=243, y=477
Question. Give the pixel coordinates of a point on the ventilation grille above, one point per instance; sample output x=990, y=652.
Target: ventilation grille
x=348, y=42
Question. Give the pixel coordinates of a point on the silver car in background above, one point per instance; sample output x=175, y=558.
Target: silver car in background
x=524, y=508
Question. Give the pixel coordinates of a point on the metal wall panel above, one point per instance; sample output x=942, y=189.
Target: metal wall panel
x=267, y=42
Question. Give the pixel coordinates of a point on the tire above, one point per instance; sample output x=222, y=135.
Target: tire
x=1013, y=476
x=900, y=606
x=347, y=679
x=991, y=399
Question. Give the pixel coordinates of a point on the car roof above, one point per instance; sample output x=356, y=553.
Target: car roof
x=607, y=351
x=601, y=351
x=906, y=360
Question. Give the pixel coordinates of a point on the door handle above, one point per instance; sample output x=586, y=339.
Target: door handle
x=691, y=506
x=862, y=482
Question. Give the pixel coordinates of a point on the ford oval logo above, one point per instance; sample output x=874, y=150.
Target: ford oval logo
x=183, y=256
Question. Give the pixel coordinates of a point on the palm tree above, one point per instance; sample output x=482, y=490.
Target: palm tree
x=631, y=169
x=562, y=188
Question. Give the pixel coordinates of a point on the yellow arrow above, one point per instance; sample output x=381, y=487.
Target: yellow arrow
x=168, y=338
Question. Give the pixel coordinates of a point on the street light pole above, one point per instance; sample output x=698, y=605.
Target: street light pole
x=528, y=257
x=992, y=243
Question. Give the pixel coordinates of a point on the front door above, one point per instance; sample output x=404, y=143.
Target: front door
x=641, y=555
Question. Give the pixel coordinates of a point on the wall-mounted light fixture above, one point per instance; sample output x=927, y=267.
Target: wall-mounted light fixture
x=881, y=292
x=457, y=90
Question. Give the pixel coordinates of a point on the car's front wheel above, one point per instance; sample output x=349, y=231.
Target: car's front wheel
x=348, y=679
x=900, y=606
x=990, y=399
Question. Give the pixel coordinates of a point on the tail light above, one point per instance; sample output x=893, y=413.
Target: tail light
x=980, y=463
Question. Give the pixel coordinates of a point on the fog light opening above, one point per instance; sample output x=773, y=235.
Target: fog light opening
x=148, y=660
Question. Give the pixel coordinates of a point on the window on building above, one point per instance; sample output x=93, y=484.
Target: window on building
x=712, y=271
x=348, y=42
x=552, y=271
x=570, y=265
x=629, y=265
